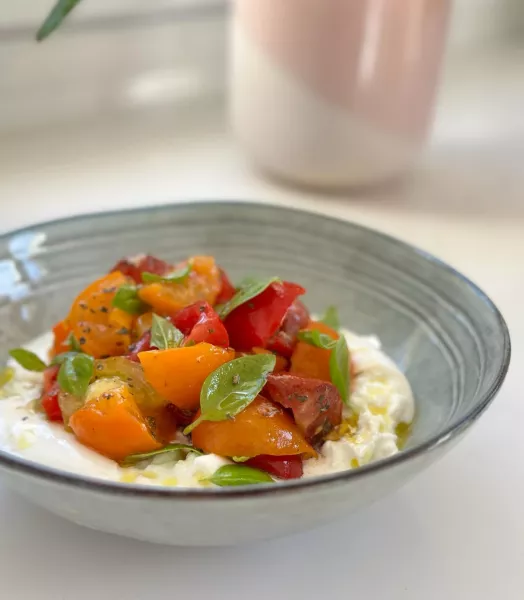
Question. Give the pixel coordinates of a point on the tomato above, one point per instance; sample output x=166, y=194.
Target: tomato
x=61, y=333
x=227, y=291
x=253, y=323
x=51, y=390
x=285, y=340
x=285, y=467
x=200, y=323
x=146, y=264
x=142, y=345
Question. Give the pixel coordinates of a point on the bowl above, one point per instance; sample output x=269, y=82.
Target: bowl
x=442, y=331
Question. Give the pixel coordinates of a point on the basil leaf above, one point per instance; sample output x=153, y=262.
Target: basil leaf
x=233, y=386
x=136, y=458
x=331, y=318
x=61, y=358
x=164, y=334
x=248, y=289
x=75, y=374
x=175, y=277
x=59, y=12
x=229, y=475
x=28, y=360
x=127, y=299
x=339, y=368
x=317, y=339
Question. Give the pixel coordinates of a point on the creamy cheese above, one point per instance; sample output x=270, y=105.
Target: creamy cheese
x=381, y=401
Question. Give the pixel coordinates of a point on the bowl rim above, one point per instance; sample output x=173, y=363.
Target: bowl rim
x=33, y=469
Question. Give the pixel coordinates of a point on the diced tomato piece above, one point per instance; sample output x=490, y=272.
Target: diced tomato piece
x=51, y=389
x=285, y=467
x=146, y=264
x=256, y=321
x=285, y=340
x=181, y=416
x=50, y=375
x=227, y=291
x=200, y=323
x=316, y=405
x=142, y=345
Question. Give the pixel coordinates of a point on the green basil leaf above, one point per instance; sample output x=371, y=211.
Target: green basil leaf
x=248, y=289
x=339, y=368
x=331, y=318
x=6, y=375
x=61, y=358
x=28, y=360
x=229, y=475
x=75, y=374
x=59, y=12
x=127, y=299
x=317, y=339
x=136, y=458
x=233, y=386
x=164, y=334
x=175, y=277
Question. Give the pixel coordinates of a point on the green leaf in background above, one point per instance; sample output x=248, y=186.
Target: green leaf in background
x=164, y=334
x=75, y=374
x=317, y=339
x=74, y=343
x=127, y=299
x=136, y=458
x=248, y=289
x=175, y=277
x=6, y=375
x=28, y=360
x=339, y=368
x=331, y=318
x=230, y=475
x=59, y=12
x=233, y=386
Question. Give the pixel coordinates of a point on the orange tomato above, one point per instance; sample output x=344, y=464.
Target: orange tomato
x=112, y=424
x=178, y=374
x=203, y=283
x=309, y=361
x=281, y=363
x=262, y=428
x=143, y=324
x=61, y=332
x=95, y=323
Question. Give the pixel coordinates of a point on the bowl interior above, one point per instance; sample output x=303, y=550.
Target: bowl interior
x=441, y=330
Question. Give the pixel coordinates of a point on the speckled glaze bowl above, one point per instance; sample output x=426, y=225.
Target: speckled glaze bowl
x=443, y=332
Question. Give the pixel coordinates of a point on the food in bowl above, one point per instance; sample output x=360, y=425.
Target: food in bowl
x=169, y=375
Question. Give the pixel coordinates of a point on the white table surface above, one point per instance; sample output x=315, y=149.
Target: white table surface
x=457, y=531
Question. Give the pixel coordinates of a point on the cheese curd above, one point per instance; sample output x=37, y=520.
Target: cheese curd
x=374, y=426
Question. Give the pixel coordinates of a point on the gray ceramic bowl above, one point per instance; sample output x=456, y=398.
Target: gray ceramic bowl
x=446, y=335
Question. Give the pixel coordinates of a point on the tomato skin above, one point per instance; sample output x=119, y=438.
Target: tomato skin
x=141, y=345
x=284, y=467
x=285, y=340
x=200, y=323
x=147, y=264
x=227, y=291
x=256, y=321
x=51, y=389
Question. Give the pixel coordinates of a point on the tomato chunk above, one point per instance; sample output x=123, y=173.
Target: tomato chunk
x=227, y=291
x=316, y=405
x=51, y=390
x=261, y=428
x=285, y=340
x=285, y=467
x=254, y=322
x=309, y=361
x=146, y=264
x=200, y=323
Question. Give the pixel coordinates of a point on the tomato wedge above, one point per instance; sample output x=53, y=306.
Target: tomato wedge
x=200, y=323
x=285, y=467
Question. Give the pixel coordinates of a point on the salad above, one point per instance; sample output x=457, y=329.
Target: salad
x=174, y=371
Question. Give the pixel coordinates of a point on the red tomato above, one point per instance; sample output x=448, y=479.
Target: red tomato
x=256, y=321
x=147, y=264
x=49, y=400
x=285, y=340
x=141, y=345
x=227, y=290
x=285, y=467
x=200, y=323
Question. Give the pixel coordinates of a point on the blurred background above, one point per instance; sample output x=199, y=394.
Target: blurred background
x=130, y=83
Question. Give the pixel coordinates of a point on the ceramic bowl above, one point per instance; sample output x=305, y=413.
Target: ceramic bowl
x=442, y=331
